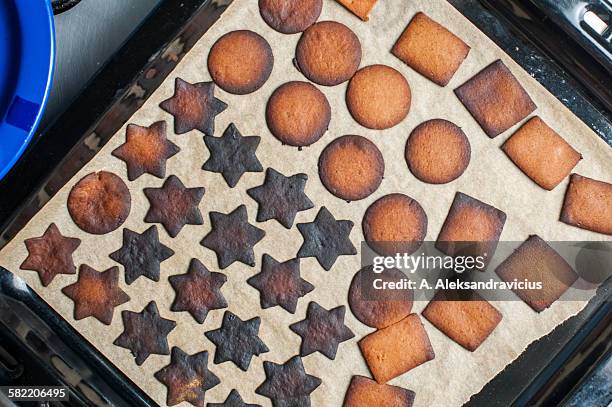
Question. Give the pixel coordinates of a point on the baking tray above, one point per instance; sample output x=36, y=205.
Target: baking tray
x=141, y=65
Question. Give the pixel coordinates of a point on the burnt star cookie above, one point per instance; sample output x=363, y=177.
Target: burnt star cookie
x=232, y=237
x=96, y=294
x=326, y=239
x=141, y=254
x=50, y=254
x=173, y=205
x=233, y=400
x=193, y=107
x=146, y=150
x=187, y=378
x=198, y=291
x=145, y=333
x=232, y=155
x=288, y=384
x=322, y=330
x=281, y=197
x=237, y=340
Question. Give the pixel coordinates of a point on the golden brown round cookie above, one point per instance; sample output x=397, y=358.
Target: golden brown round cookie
x=240, y=62
x=437, y=151
x=99, y=203
x=328, y=53
x=351, y=167
x=395, y=223
x=378, y=97
x=290, y=16
x=298, y=113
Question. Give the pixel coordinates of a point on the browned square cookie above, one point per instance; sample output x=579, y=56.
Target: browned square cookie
x=366, y=392
x=361, y=8
x=588, y=204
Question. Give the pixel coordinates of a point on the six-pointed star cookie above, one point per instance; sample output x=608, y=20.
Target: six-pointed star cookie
x=141, y=254
x=237, y=340
x=233, y=400
x=280, y=283
x=96, y=294
x=174, y=206
x=193, y=107
x=326, y=239
x=145, y=333
x=198, y=291
x=281, y=197
x=232, y=155
x=288, y=385
x=146, y=149
x=50, y=254
x=187, y=378
x=232, y=237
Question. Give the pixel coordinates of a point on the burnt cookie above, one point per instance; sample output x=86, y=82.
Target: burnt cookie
x=96, y=294
x=541, y=153
x=141, y=254
x=99, y=203
x=240, y=62
x=232, y=155
x=430, y=49
x=290, y=16
x=536, y=261
x=378, y=97
x=437, y=151
x=496, y=99
x=328, y=53
x=361, y=8
x=187, y=378
x=322, y=330
x=351, y=167
x=50, y=254
x=198, y=291
x=233, y=400
x=232, y=237
x=393, y=224
x=145, y=333
x=588, y=204
x=298, y=114
x=280, y=283
x=326, y=239
x=173, y=205
x=366, y=392
x=237, y=340
x=194, y=106
x=281, y=197
x=288, y=384
x=396, y=349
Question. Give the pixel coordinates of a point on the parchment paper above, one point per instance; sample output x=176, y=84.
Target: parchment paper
x=455, y=373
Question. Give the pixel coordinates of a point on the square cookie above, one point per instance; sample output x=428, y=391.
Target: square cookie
x=366, y=392
x=361, y=8
x=467, y=321
x=535, y=260
x=430, y=49
x=588, y=204
x=396, y=349
x=496, y=99
x=541, y=153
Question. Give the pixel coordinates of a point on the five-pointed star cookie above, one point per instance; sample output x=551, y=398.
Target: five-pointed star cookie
x=281, y=197
x=174, y=206
x=288, y=384
x=232, y=155
x=193, y=107
x=96, y=294
x=326, y=239
x=233, y=400
x=50, y=254
x=237, y=340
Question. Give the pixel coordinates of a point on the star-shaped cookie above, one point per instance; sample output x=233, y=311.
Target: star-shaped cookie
x=233, y=400
x=288, y=384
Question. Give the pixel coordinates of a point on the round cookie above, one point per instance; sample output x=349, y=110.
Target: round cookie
x=351, y=167
x=290, y=16
x=298, y=113
x=378, y=97
x=379, y=308
x=437, y=151
x=99, y=203
x=240, y=62
x=328, y=53
x=394, y=224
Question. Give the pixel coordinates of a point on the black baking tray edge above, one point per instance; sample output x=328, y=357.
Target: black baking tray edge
x=141, y=65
